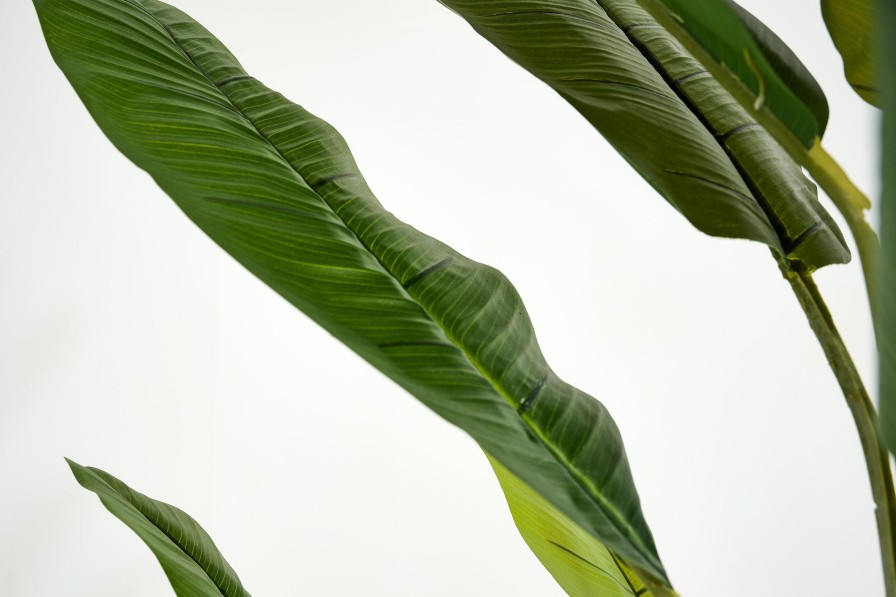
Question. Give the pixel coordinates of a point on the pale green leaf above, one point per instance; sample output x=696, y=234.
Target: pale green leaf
x=762, y=62
x=580, y=564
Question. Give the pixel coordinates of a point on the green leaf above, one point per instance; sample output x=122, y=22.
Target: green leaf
x=761, y=61
x=278, y=189
x=581, y=565
x=887, y=286
x=781, y=64
x=851, y=25
x=188, y=556
x=660, y=108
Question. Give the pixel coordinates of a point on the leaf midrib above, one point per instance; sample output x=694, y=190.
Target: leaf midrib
x=612, y=513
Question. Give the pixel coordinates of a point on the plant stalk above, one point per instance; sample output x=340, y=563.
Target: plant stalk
x=851, y=203
x=864, y=415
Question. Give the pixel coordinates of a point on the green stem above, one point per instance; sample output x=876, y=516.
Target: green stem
x=851, y=203
x=863, y=413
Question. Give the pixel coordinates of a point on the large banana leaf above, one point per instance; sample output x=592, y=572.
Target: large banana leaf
x=802, y=90
x=761, y=61
x=278, y=189
x=188, y=556
x=675, y=123
x=887, y=332
x=851, y=24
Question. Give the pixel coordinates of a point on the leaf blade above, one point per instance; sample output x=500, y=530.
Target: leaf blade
x=581, y=565
x=851, y=25
x=279, y=190
x=887, y=286
x=677, y=126
x=187, y=554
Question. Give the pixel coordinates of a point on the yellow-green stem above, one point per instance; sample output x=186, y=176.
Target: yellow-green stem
x=851, y=203
x=864, y=415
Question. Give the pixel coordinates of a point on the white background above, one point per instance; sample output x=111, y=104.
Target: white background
x=130, y=342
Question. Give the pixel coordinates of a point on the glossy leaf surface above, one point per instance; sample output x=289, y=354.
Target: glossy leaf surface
x=188, y=556
x=851, y=25
x=660, y=108
x=762, y=62
x=278, y=189
x=801, y=86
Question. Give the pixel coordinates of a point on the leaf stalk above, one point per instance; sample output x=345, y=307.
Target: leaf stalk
x=849, y=200
x=863, y=412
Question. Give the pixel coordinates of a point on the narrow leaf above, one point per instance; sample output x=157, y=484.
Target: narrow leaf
x=278, y=189
x=851, y=25
x=887, y=297
x=660, y=108
x=188, y=556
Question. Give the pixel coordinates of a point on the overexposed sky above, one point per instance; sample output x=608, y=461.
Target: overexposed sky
x=131, y=342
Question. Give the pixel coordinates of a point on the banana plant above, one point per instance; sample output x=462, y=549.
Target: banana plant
x=851, y=24
x=711, y=107
x=703, y=100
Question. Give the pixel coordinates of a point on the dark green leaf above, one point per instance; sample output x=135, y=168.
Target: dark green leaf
x=279, y=190
x=677, y=125
x=851, y=25
x=887, y=296
x=793, y=74
x=187, y=554
x=761, y=61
